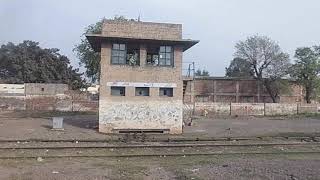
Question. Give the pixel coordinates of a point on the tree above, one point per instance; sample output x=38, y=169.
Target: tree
x=306, y=70
x=27, y=62
x=267, y=60
x=239, y=68
x=202, y=73
x=88, y=57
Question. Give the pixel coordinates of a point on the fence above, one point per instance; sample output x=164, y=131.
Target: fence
x=255, y=109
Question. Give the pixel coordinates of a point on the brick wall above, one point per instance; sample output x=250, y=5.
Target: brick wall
x=255, y=109
x=142, y=30
x=40, y=89
x=12, y=103
x=46, y=103
x=235, y=90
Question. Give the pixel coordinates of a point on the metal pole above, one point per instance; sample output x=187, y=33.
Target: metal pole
x=192, y=90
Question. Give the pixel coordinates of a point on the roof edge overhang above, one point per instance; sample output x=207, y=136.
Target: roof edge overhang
x=96, y=40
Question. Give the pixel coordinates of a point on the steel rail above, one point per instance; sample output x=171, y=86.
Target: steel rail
x=161, y=155
x=121, y=139
x=160, y=146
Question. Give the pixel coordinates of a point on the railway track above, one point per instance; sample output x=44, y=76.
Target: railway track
x=130, y=146
x=144, y=138
x=76, y=150
x=162, y=155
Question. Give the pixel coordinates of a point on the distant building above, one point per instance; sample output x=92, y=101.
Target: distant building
x=141, y=76
x=33, y=89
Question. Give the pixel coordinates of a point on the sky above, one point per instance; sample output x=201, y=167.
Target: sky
x=218, y=24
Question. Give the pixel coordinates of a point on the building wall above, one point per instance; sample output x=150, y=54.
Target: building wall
x=36, y=89
x=45, y=89
x=12, y=89
x=142, y=30
x=138, y=112
x=54, y=97
x=12, y=103
x=236, y=91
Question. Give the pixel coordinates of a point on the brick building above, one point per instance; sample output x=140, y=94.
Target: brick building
x=235, y=90
x=141, y=76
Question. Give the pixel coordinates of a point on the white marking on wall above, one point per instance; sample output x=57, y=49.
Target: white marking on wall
x=12, y=88
x=141, y=84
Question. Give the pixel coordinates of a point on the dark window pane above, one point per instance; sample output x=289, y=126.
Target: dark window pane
x=122, y=53
x=122, y=60
x=114, y=59
x=162, y=55
x=168, y=62
x=122, y=47
x=115, y=46
x=162, y=49
x=162, y=62
x=115, y=53
x=118, y=91
x=168, y=48
x=168, y=55
x=166, y=92
x=142, y=91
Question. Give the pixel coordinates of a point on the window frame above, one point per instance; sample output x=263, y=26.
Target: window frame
x=120, y=88
x=119, y=50
x=165, y=53
x=148, y=88
x=160, y=52
x=166, y=88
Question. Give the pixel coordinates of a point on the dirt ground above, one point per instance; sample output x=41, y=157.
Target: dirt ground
x=293, y=167
x=255, y=126
x=30, y=125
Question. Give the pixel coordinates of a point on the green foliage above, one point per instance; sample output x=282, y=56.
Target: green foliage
x=267, y=61
x=87, y=56
x=202, y=73
x=306, y=70
x=27, y=62
x=239, y=68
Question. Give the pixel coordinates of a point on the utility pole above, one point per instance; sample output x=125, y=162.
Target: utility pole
x=192, y=89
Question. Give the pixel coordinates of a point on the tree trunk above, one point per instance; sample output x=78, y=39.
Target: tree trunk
x=269, y=90
x=308, y=94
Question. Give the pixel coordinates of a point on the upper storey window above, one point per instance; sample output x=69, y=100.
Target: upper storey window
x=118, y=54
x=125, y=54
x=160, y=56
x=165, y=56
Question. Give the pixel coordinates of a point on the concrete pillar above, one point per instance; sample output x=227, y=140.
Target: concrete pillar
x=192, y=92
x=143, y=55
x=214, y=91
x=237, y=91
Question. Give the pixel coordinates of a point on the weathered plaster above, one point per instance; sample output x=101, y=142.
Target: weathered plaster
x=140, y=115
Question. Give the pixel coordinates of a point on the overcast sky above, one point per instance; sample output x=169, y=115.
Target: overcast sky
x=218, y=24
